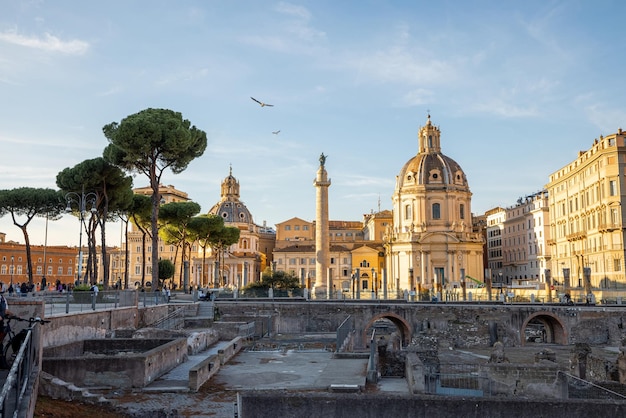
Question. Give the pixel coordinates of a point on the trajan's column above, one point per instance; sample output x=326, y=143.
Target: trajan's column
x=321, y=183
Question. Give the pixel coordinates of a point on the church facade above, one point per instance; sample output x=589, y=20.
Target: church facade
x=430, y=245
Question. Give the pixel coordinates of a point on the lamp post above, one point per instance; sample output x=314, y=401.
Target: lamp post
x=12, y=259
x=81, y=200
x=500, y=276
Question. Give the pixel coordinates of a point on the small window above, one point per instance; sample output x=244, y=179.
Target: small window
x=436, y=208
x=408, y=214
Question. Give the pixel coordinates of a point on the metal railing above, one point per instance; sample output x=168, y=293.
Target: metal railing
x=80, y=301
x=343, y=332
x=576, y=388
x=18, y=380
x=173, y=320
x=457, y=380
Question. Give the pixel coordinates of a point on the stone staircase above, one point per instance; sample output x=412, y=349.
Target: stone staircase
x=204, y=316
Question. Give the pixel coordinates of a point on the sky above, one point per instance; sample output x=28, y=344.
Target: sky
x=517, y=89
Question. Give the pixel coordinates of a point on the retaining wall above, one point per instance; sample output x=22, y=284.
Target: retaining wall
x=272, y=404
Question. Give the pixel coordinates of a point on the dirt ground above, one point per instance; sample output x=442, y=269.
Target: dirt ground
x=210, y=401
x=49, y=408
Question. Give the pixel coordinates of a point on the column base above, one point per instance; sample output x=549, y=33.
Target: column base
x=319, y=292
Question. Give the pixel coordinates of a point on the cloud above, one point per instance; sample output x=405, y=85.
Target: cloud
x=293, y=10
x=293, y=35
x=49, y=43
x=183, y=76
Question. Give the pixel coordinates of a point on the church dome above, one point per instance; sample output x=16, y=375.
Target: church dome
x=430, y=167
x=230, y=208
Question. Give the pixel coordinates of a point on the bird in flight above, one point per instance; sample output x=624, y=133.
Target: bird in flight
x=276, y=132
x=261, y=103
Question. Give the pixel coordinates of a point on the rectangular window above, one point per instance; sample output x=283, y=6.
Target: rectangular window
x=436, y=208
x=137, y=270
x=612, y=188
x=312, y=261
x=462, y=211
x=332, y=260
x=617, y=265
x=296, y=228
x=305, y=227
x=292, y=261
x=60, y=271
x=287, y=227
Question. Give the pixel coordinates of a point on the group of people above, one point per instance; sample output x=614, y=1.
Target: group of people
x=4, y=311
x=17, y=288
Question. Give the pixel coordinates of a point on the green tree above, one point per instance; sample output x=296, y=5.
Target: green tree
x=203, y=228
x=279, y=281
x=113, y=195
x=150, y=142
x=174, y=218
x=30, y=202
x=166, y=271
x=221, y=240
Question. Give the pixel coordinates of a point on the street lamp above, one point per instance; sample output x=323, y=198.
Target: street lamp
x=81, y=200
x=500, y=276
x=12, y=259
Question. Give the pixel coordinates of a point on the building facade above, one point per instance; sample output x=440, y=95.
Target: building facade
x=587, y=217
x=243, y=262
x=526, y=255
x=431, y=244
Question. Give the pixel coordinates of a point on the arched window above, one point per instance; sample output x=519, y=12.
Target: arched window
x=436, y=211
x=408, y=212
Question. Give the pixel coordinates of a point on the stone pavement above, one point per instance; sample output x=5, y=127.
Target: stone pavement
x=169, y=395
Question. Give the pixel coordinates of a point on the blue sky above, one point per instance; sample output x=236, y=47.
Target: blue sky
x=517, y=89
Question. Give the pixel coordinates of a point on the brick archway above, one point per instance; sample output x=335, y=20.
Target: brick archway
x=398, y=321
x=556, y=332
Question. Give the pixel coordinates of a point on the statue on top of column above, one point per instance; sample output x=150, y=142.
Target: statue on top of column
x=322, y=159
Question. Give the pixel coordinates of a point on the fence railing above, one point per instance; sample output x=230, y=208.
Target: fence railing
x=19, y=378
x=457, y=380
x=576, y=388
x=79, y=301
x=343, y=333
x=173, y=320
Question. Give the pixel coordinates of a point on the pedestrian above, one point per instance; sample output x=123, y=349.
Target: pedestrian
x=44, y=283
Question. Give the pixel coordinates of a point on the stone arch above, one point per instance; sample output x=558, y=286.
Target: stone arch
x=398, y=321
x=556, y=331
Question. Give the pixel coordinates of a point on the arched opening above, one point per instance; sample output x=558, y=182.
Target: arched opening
x=543, y=328
x=390, y=326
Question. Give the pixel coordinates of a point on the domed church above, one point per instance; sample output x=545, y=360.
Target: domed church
x=243, y=262
x=431, y=245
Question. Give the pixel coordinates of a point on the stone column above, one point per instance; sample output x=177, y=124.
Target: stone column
x=322, y=244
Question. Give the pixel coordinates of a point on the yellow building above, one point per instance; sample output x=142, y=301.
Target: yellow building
x=431, y=244
x=348, y=251
x=587, y=199
x=135, y=246
x=243, y=262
